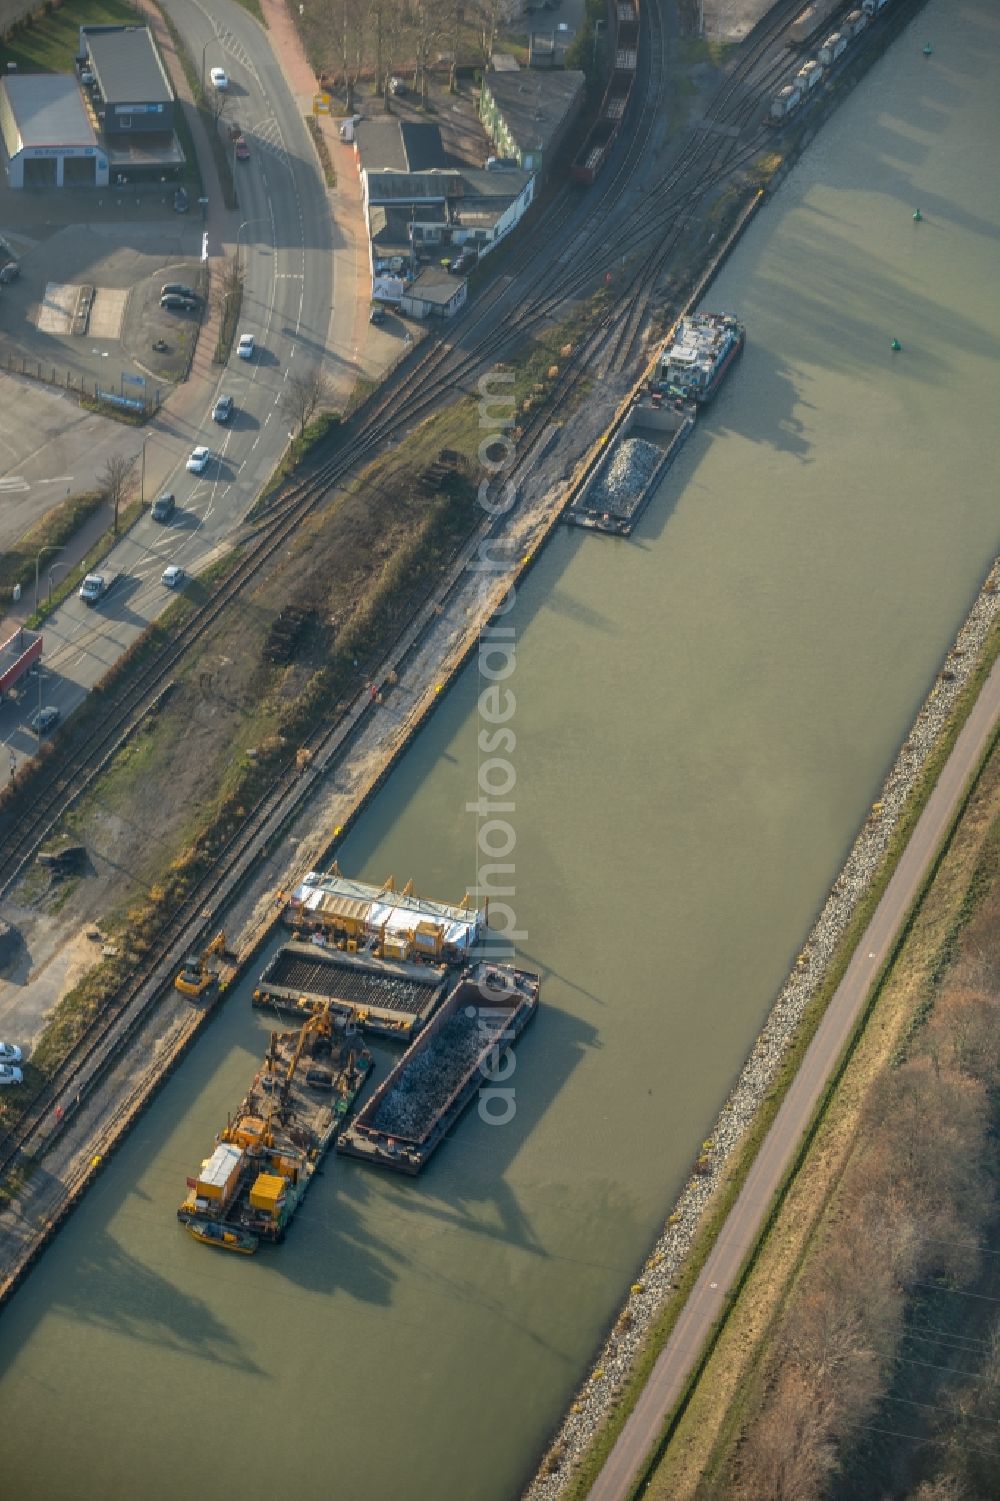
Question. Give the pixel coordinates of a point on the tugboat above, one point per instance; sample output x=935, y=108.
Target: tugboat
x=695, y=362
x=211, y=1234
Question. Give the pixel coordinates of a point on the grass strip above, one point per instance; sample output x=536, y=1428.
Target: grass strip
x=322, y=150
x=54, y=531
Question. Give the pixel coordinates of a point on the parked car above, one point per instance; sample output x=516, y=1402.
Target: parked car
x=198, y=461
x=9, y=1074
x=179, y=288
x=242, y=149
x=246, y=346
x=467, y=261
x=173, y=576
x=46, y=719
x=219, y=79
x=175, y=303
x=9, y=1053
x=163, y=507
x=397, y=86
x=10, y=272
x=377, y=314
x=180, y=201
x=223, y=409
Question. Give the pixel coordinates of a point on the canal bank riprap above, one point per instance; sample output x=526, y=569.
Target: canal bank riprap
x=975, y=646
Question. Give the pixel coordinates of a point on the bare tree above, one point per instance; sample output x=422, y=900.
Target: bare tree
x=384, y=20
x=219, y=102
x=229, y=280
x=117, y=480
x=348, y=23
x=491, y=15
x=304, y=395
x=428, y=23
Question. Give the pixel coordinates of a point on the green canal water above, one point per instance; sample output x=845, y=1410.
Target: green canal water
x=703, y=716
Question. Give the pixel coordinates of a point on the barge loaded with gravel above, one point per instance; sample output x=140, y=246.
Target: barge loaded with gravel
x=646, y=439
x=617, y=490
x=457, y=1054
x=266, y=1156
x=390, y=998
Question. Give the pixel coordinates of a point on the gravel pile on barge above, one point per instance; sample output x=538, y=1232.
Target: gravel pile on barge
x=436, y=1078
x=430, y=1081
x=623, y=483
x=388, y=997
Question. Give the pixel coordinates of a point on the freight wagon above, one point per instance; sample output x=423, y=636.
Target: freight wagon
x=601, y=137
x=835, y=46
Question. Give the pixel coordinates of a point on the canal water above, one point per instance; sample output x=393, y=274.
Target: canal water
x=702, y=717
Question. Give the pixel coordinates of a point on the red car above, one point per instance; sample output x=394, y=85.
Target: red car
x=242, y=149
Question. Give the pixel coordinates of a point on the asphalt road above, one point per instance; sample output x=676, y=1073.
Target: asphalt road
x=285, y=242
x=743, y=1225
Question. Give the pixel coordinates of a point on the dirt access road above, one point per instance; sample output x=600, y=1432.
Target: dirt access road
x=743, y=1226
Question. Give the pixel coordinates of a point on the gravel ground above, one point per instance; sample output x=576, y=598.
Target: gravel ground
x=650, y=1292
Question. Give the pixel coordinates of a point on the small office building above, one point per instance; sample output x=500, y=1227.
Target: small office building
x=129, y=92
x=434, y=294
x=49, y=140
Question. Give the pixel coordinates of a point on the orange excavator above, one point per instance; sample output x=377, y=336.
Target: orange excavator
x=198, y=973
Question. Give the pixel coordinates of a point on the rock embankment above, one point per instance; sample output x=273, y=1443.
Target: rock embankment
x=650, y=1292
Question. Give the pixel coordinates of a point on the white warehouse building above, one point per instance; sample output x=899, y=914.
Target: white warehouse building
x=48, y=139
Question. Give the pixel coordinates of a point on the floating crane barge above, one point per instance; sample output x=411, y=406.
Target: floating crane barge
x=265, y=1159
x=453, y=1058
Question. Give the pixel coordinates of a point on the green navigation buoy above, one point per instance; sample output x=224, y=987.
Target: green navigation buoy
x=917, y=216
x=896, y=345
x=928, y=49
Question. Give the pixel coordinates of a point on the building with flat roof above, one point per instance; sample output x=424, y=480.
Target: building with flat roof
x=411, y=215
x=132, y=99
x=434, y=294
x=527, y=114
x=48, y=138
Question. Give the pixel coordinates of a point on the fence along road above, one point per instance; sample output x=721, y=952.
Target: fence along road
x=709, y=1299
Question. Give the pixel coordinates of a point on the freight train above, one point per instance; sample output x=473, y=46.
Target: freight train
x=602, y=135
x=789, y=98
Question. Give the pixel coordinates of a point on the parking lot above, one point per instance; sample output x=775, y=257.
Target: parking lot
x=55, y=315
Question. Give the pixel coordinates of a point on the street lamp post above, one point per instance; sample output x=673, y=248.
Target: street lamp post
x=260, y=219
x=597, y=32
x=203, y=51
x=54, y=569
x=41, y=553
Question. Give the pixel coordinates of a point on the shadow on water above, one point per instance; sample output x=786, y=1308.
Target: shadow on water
x=463, y=1188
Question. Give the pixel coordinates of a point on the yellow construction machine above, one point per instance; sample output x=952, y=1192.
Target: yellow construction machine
x=198, y=973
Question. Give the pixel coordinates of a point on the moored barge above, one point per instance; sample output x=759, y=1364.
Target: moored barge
x=390, y=998
x=456, y=1055
x=268, y=1153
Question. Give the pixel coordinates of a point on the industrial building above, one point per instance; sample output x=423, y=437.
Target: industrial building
x=411, y=213
x=48, y=139
x=528, y=113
